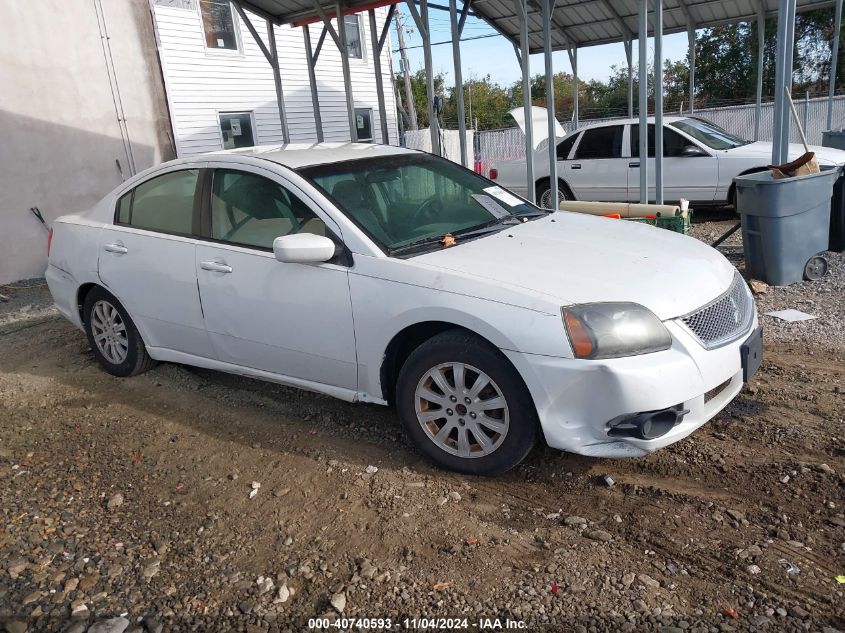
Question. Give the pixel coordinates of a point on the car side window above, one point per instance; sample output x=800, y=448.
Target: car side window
x=565, y=146
x=164, y=203
x=673, y=143
x=601, y=142
x=251, y=210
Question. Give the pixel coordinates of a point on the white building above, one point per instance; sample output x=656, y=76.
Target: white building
x=220, y=87
x=116, y=86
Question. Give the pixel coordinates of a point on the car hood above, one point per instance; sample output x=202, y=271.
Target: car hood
x=570, y=258
x=763, y=150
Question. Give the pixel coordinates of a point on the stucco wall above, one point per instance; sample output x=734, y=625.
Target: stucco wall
x=61, y=140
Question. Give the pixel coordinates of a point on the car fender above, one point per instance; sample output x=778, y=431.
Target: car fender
x=382, y=308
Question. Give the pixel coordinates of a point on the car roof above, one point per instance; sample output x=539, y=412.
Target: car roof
x=633, y=120
x=297, y=155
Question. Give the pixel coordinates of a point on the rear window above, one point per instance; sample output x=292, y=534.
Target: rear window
x=601, y=142
x=164, y=203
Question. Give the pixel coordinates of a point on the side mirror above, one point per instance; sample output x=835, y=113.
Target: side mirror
x=693, y=150
x=303, y=248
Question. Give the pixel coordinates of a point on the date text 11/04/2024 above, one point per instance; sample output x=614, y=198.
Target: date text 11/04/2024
x=429, y=624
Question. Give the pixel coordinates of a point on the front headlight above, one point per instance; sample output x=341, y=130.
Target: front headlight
x=612, y=330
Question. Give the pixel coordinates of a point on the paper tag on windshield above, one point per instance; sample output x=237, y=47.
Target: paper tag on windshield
x=491, y=205
x=502, y=195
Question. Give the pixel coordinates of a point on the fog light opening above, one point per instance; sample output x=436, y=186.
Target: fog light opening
x=649, y=425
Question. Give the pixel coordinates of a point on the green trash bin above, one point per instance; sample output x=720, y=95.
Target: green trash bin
x=785, y=225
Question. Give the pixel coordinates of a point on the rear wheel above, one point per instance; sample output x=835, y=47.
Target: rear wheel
x=544, y=193
x=112, y=335
x=464, y=405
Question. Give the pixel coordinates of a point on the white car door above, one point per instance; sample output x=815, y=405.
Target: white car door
x=289, y=319
x=147, y=261
x=689, y=170
x=597, y=170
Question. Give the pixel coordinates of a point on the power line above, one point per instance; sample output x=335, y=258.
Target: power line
x=463, y=39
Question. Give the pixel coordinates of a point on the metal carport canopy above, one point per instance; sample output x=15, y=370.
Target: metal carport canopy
x=579, y=23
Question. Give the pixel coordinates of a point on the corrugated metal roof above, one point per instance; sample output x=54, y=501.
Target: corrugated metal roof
x=591, y=22
x=575, y=22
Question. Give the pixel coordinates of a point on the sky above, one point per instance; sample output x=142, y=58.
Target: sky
x=495, y=56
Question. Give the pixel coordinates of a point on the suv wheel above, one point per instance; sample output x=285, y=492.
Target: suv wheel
x=465, y=406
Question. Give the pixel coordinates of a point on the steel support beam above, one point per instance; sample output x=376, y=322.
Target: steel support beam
x=459, y=79
x=311, y=59
x=347, y=75
x=761, y=43
x=272, y=56
x=573, y=61
x=382, y=109
x=783, y=80
x=524, y=43
x=339, y=38
x=831, y=89
x=658, y=101
x=548, y=11
x=421, y=20
x=629, y=54
x=277, y=80
x=642, y=104
x=691, y=44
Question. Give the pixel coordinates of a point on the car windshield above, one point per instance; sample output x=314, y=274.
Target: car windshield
x=710, y=134
x=407, y=200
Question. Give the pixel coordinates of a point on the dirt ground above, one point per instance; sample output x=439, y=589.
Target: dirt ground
x=132, y=498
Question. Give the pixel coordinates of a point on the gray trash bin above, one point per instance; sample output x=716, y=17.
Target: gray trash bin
x=785, y=225
x=834, y=138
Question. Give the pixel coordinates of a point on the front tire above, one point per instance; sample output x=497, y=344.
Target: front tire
x=113, y=337
x=464, y=406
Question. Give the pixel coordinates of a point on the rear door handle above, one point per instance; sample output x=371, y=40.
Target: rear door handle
x=216, y=267
x=117, y=248
x=576, y=165
x=633, y=164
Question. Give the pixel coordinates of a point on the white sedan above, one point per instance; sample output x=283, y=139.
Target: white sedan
x=601, y=162
x=378, y=274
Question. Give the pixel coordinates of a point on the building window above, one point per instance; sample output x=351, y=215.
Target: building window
x=364, y=124
x=236, y=128
x=218, y=23
x=353, y=36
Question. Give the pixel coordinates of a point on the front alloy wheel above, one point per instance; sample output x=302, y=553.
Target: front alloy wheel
x=464, y=405
x=462, y=410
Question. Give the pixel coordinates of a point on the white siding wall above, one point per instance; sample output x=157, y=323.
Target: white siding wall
x=202, y=83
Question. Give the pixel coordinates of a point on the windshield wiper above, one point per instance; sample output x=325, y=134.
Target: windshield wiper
x=490, y=227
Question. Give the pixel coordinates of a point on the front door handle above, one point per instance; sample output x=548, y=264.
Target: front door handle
x=576, y=165
x=117, y=248
x=216, y=267
x=633, y=164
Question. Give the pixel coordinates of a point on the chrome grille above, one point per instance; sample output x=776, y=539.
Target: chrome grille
x=723, y=320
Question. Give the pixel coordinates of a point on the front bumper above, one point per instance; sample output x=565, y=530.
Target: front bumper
x=575, y=399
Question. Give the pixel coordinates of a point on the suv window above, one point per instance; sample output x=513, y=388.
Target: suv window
x=565, y=146
x=164, y=203
x=251, y=210
x=601, y=142
x=673, y=143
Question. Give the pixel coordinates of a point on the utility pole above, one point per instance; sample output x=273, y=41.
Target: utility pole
x=409, y=94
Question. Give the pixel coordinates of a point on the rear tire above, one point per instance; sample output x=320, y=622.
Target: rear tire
x=464, y=406
x=113, y=337
x=543, y=193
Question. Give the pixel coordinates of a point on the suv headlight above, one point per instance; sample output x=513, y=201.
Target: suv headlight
x=612, y=330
